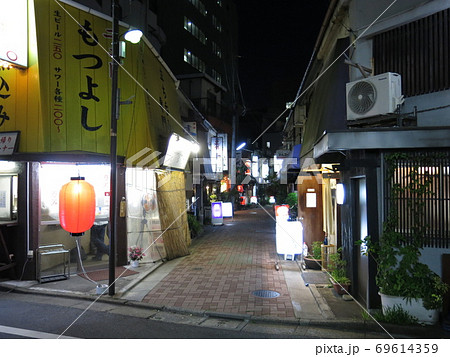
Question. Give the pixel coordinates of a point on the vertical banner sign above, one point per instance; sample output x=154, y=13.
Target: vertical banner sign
x=74, y=76
x=166, y=121
x=164, y=115
x=61, y=101
x=224, y=153
x=217, y=153
x=219, y=156
x=14, y=32
x=4, y=95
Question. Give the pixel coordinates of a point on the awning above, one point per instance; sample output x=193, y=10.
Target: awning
x=295, y=154
x=379, y=139
x=291, y=164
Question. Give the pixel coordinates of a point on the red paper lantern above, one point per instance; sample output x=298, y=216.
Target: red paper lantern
x=77, y=206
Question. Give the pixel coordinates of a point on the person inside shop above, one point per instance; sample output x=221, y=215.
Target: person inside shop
x=98, y=231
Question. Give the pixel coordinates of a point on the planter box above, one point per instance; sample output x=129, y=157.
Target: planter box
x=315, y=264
x=414, y=307
x=341, y=289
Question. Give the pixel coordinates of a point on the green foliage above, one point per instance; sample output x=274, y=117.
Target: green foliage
x=338, y=268
x=400, y=273
x=395, y=315
x=292, y=199
x=194, y=225
x=275, y=188
x=230, y=196
x=316, y=250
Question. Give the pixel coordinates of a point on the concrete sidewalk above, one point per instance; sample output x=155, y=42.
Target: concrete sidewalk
x=233, y=272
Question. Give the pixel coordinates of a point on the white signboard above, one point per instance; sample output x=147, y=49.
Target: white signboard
x=9, y=141
x=177, y=156
x=255, y=166
x=14, y=32
x=219, y=155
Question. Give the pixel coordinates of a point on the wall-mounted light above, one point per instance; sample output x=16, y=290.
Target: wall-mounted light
x=240, y=146
x=340, y=194
x=133, y=36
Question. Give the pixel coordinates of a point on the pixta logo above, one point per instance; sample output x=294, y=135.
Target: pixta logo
x=149, y=159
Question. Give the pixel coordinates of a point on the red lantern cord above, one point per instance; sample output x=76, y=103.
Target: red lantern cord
x=77, y=206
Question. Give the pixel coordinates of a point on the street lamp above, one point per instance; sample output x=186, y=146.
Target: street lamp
x=135, y=37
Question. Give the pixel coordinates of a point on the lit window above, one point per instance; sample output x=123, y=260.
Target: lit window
x=194, y=61
x=216, y=50
x=194, y=30
x=200, y=6
x=217, y=76
x=216, y=23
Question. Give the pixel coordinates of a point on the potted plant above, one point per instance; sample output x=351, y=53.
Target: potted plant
x=402, y=279
x=135, y=254
x=338, y=271
x=195, y=227
x=314, y=260
x=292, y=201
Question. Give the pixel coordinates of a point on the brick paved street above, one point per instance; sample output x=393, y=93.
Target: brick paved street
x=227, y=263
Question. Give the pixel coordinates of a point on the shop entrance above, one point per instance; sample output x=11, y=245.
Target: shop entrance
x=91, y=252
x=8, y=214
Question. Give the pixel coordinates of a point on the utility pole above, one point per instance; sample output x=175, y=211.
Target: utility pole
x=233, y=145
x=234, y=124
x=113, y=148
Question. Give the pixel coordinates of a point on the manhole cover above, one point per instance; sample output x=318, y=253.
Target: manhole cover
x=268, y=294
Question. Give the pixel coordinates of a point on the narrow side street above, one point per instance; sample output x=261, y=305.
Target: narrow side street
x=228, y=263
x=216, y=286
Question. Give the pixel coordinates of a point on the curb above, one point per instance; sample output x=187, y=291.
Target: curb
x=139, y=278
x=335, y=324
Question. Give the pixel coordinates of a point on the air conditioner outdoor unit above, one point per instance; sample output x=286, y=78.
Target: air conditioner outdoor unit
x=374, y=96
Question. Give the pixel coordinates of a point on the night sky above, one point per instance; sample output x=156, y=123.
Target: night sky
x=276, y=40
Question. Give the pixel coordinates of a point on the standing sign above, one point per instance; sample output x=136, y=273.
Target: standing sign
x=216, y=214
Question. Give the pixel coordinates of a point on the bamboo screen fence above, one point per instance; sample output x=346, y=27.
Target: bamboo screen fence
x=172, y=212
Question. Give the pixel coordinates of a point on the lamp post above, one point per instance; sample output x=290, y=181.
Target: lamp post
x=113, y=148
x=132, y=36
